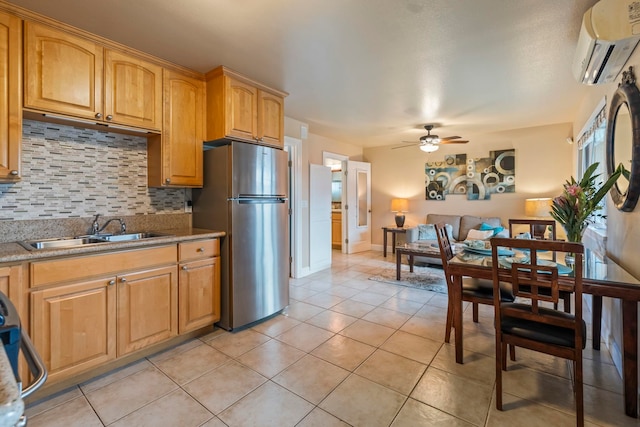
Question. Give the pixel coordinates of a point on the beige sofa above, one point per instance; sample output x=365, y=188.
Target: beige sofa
x=458, y=231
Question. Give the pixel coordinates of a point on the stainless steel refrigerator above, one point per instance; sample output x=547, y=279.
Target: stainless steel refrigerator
x=245, y=195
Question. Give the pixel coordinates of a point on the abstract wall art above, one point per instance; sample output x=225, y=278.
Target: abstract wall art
x=477, y=178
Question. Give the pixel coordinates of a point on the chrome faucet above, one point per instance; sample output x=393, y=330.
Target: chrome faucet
x=95, y=226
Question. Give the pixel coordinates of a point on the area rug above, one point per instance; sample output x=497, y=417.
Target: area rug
x=427, y=278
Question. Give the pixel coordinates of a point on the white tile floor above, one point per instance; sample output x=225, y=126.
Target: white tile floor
x=348, y=351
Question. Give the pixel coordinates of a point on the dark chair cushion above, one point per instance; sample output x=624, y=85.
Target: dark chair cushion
x=540, y=331
x=483, y=288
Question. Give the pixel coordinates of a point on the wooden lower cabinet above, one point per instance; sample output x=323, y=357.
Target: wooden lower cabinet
x=90, y=309
x=74, y=326
x=147, y=308
x=199, y=294
x=336, y=230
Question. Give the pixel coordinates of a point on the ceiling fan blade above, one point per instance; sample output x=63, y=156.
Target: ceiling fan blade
x=447, y=138
x=410, y=142
x=453, y=142
x=404, y=146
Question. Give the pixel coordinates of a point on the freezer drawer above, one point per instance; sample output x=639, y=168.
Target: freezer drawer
x=259, y=259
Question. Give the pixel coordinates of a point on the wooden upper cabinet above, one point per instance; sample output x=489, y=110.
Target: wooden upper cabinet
x=271, y=118
x=175, y=158
x=63, y=73
x=133, y=91
x=10, y=97
x=238, y=107
x=74, y=76
x=241, y=118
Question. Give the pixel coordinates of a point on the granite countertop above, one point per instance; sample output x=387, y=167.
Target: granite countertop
x=14, y=251
x=11, y=403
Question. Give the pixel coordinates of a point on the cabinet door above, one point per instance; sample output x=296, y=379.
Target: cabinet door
x=241, y=109
x=73, y=326
x=10, y=97
x=270, y=118
x=336, y=230
x=175, y=158
x=133, y=91
x=199, y=294
x=147, y=308
x=63, y=73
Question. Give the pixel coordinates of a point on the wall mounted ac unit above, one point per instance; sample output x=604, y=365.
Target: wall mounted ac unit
x=610, y=31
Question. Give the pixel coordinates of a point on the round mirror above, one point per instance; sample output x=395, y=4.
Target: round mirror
x=622, y=147
x=623, y=142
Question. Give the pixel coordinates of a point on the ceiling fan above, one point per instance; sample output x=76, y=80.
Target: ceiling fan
x=430, y=143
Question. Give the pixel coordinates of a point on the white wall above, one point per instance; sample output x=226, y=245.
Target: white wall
x=312, y=149
x=623, y=228
x=543, y=163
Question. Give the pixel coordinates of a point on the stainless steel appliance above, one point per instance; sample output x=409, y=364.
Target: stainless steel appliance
x=244, y=194
x=14, y=339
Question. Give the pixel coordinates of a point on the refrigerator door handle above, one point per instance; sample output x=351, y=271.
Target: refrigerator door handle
x=259, y=201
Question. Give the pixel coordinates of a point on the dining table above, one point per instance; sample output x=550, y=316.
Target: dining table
x=602, y=277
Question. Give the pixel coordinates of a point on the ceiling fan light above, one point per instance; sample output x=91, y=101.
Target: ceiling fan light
x=429, y=148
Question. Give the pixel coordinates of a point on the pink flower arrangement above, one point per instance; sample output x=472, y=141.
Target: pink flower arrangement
x=578, y=204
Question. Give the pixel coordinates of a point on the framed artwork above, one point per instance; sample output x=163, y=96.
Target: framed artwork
x=477, y=178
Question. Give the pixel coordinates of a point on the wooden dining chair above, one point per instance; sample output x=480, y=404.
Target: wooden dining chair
x=537, y=227
x=531, y=322
x=474, y=290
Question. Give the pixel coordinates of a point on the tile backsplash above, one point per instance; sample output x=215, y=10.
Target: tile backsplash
x=72, y=172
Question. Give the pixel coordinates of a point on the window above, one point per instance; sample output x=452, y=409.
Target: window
x=592, y=149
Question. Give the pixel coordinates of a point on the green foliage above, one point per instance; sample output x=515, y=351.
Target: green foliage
x=579, y=202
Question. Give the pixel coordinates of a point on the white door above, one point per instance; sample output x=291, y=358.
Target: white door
x=358, y=208
x=319, y=217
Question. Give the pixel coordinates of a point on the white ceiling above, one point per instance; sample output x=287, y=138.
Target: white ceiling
x=367, y=72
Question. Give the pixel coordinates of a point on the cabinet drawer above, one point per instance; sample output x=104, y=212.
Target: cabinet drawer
x=199, y=249
x=71, y=269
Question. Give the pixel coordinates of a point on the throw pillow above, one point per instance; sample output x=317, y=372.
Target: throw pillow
x=479, y=234
x=526, y=235
x=495, y=229
x=427, y=232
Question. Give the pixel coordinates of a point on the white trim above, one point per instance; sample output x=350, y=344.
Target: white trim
x=587, y=124
x=295, y=147
x=328, y=155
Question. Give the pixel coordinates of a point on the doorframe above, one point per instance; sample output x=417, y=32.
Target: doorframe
x=327, y=155
x=294, y=148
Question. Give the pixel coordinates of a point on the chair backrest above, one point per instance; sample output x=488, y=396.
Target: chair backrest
x=538, y=281
x=446, y=252
x=537, y=227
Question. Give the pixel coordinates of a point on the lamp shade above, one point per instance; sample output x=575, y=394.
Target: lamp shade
x=537, y=207
x=399, y=205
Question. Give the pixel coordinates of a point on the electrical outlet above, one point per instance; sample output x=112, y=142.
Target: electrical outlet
x=188, y=207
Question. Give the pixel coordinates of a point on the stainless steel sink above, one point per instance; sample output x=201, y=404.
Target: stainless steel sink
x=132, y=236
x=71, y=242
x=65, y=242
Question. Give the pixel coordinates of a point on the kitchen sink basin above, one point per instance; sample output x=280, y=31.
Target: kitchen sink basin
x=131, y=236
x=68, y=242
x=72, y=242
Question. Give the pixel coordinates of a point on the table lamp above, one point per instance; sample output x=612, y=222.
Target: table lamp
x=538, y=208
x=399, y=206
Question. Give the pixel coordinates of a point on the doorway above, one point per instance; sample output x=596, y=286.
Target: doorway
x=337, y=163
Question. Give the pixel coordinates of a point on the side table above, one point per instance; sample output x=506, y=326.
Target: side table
x=393, y=231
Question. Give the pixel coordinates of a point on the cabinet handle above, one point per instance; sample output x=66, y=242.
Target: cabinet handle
x=98, y=115
x=14, y=172
x=200, y=249
x=109, y=117
x=111, y=282
x=124, y=279
x=168, y=180
x=184, y=267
